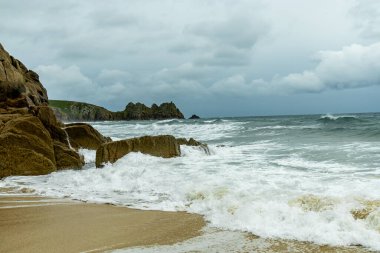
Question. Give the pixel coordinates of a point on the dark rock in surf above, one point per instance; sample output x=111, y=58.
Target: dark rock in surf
x=194, y=116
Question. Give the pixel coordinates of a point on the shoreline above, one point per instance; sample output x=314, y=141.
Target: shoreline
x=32, y=223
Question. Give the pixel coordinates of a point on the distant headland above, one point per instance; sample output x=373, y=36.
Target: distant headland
x=79, y=111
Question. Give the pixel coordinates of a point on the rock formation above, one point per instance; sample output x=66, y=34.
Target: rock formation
x=194, y=116
x=32, y=141
x=77, y=111
x=163, y=146
x=166, y=146
x=26, y=147
x=192, y=142
x=84, y=136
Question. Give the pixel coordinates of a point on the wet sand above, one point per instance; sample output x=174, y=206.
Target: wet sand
x=33, y=224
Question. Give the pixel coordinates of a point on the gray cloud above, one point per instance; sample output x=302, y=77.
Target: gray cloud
x=354, y=66
x=367, y=17
x=238, y=32
x=154, y=51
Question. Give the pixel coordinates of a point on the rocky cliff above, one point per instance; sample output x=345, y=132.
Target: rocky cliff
x=32, y=140
x=77, y=111
x=19, y=86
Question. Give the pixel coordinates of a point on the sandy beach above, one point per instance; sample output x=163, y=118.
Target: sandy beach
x=39, y=224
x=34, y=224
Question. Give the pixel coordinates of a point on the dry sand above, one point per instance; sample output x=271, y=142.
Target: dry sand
x=30, y=224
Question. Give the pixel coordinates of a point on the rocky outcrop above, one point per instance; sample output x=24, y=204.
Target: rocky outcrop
x=19, y=87
x=84, y=136
x=163, y=146
x=77, y=111
x=32, y=141
x=166, y=146
x=67, y=158
x=140, y=111
x=194, y=116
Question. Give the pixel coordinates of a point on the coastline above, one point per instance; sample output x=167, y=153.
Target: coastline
x=31, y=223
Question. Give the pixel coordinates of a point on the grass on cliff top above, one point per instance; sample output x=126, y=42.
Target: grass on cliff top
x=61, y=103
x=65, y=105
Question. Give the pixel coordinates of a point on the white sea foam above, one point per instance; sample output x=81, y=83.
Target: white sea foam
x=270, y=187
x=334, y=117
x=208, y=130
x=89, y=155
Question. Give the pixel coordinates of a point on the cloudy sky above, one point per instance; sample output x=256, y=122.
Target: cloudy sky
x=210, y=57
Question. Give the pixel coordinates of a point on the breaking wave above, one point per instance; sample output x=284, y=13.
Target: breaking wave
x=328, y=118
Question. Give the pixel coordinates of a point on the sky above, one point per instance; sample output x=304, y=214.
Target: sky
x=212, y=58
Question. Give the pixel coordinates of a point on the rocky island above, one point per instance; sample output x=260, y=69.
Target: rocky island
x=79, y=111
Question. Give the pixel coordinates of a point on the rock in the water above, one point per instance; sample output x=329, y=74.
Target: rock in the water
x=82, y=135
x=194, y=116
x=26, y=147
x=163, y=146
x=192, y=142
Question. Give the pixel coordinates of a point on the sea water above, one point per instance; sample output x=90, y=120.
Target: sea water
x=289, y=177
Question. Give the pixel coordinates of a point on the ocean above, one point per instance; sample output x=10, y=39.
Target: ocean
x=309, y=178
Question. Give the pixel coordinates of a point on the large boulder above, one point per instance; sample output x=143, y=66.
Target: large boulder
x=26, y=147
x=66, y=157
x=163, y=146
x=82, y=135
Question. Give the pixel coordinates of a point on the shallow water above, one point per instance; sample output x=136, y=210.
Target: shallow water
x=289, y=177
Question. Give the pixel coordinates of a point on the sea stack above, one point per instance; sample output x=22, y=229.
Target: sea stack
x=194, y=116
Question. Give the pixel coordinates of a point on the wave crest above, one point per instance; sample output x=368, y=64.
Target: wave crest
x=338, y=119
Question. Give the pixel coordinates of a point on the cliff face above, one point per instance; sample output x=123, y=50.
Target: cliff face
x=32, y=141
x=77, y=111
